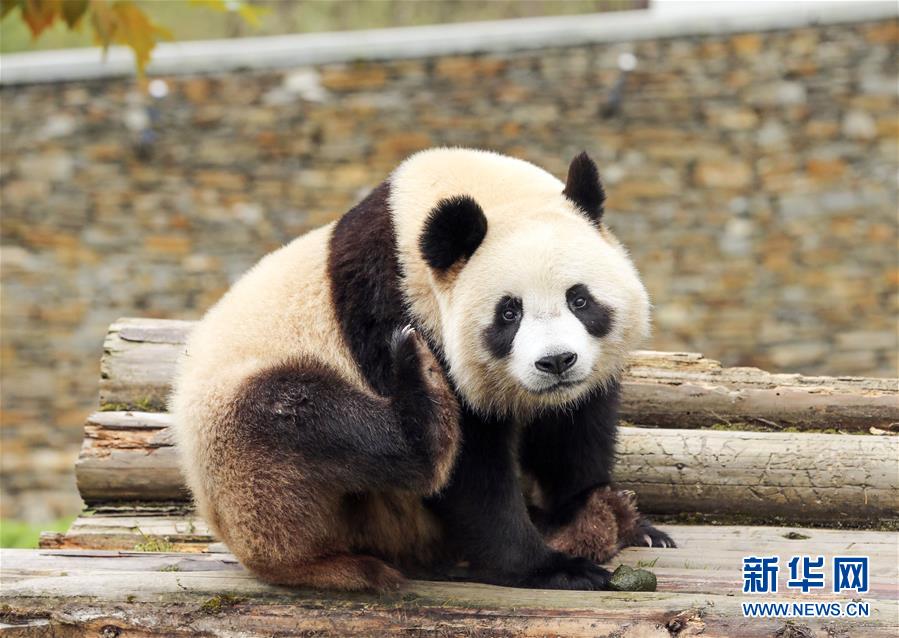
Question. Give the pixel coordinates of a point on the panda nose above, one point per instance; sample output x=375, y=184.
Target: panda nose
x=556, y=363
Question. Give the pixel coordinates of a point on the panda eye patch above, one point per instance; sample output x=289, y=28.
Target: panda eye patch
x=500, y=334
x=596, y=316
x=578, y=297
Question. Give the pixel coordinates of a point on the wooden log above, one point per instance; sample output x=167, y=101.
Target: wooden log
x=684, y=390
x=128, y=456
x=801, y=477
x=668, y=389
x=138, y=363
x=77, y=593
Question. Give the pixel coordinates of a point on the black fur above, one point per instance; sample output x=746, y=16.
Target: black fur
x=365, y=285
x=596, y=317
x=584, y=188
x=571, y=452
x=381, y=443
x=453, y=231
x=487, y=521
x=500, y=334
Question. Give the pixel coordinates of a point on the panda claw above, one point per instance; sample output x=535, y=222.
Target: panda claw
x=648, y=536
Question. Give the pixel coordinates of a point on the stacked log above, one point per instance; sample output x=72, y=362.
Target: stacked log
x=697, y=448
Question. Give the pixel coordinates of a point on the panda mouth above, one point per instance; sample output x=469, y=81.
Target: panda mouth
x=558, y=385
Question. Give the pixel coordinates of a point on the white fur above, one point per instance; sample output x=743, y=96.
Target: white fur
x=553, y=332
x=538, y=244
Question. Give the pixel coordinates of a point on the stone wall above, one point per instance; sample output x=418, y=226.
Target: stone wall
x=752, y=175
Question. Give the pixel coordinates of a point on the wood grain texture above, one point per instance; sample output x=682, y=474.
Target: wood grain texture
x=703, y=560
x=77, y=593
x=803, y=477
x=669, y=389
x=129, y=456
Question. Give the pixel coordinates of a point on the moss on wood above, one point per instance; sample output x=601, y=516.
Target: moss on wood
x=217, y=604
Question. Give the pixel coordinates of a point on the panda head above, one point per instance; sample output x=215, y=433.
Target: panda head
x=539, y=304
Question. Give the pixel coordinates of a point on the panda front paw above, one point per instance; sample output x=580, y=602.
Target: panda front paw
x=414, y=364
x=404, y=349
x=426, y=405
x=569, y=572
x=647, y=535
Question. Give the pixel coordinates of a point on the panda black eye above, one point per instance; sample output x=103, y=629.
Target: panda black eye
x=579, y=303
x=510, y=315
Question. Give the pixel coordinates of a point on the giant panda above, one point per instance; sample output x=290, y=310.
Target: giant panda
x=427, y=383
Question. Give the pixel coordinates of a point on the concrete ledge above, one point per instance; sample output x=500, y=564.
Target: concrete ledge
x=666, y=19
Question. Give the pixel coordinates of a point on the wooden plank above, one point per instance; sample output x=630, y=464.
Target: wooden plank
x=669, y=389
x=801, y=477
x=89, y=593
x=185, y=527
x=704, y=554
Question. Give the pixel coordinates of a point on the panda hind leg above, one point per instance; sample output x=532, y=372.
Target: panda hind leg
x=299, y=439
x=343, y=572
x=308, y=414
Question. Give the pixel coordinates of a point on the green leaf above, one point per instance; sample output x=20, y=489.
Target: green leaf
x=73, y=11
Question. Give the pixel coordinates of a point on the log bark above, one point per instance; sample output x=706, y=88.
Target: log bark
x=77, y=593
x=801, y=477
x=129, y=456
x=667, y=389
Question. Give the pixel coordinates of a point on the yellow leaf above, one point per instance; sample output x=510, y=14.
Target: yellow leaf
x=104, y=22
x=135, y=29
x=251, y=14
x=218, y=5
x=39, y=14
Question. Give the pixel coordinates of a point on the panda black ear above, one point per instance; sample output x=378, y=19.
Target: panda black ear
x=584, y=188
x=453, y=230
